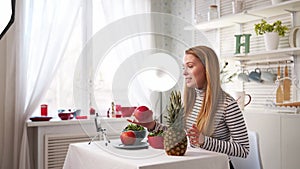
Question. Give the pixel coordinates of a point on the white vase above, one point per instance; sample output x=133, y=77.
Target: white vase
x=276, y=1
x=271, y=40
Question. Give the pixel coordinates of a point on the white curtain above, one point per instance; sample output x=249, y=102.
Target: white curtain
x=34, y=50
x=35, y=46
x=126, y=68
x=112, y=11
x=137, y=59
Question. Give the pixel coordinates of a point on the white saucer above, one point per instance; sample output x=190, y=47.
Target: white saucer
x=134, y=146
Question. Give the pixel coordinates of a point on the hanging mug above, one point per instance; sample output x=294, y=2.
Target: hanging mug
x=268, y=75
x=294, y=37
x=255, y=75
x=244, y=76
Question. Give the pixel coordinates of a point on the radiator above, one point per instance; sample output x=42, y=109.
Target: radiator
x=56, y=148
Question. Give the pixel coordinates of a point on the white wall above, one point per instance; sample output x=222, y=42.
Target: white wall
x=2, y=88
x=2, y=69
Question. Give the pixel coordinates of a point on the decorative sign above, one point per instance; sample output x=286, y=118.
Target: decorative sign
x=238, y=43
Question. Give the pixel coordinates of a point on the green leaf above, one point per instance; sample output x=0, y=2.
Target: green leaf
x=277, y=26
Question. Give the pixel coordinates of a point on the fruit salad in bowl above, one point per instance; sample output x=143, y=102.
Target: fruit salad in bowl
x=156, y=139
x=132, y=134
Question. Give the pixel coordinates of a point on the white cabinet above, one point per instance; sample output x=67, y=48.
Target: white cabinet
x=290, y=143
x=268, y=128
x=278, y=137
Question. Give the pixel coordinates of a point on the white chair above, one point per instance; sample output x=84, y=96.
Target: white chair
x=253, y=160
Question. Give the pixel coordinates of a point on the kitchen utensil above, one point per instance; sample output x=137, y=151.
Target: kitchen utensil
x=268, y=76
x=66, y=116
x=40, y=118
x=244, y=76
x=279, y=91
x=255, y=75
x=240, y=96
x=156, y=141
x=286, y=85
x=141, y=145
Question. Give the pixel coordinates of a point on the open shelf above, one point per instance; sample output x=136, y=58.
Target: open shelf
x=264, y=55
x=277, y=9
x=225, y=21
x=248, y=15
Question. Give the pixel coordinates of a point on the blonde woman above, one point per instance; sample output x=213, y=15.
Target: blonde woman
x=213, y=119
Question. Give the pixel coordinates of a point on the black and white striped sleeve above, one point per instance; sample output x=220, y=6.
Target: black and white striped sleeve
x=238, y=145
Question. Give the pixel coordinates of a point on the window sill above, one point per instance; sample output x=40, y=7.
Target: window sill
x=58, y=122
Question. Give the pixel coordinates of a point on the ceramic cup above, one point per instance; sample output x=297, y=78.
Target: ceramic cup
x=244, y=76
x=255, y=75
x=294, y=37
x=240, y=96
x=268, y=76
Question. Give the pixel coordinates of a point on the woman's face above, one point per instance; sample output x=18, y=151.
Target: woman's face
x=194, y=72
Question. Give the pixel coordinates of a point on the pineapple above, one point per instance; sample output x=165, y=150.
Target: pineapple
x=175, y=139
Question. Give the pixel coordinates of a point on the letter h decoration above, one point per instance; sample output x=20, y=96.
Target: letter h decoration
x=238, y=43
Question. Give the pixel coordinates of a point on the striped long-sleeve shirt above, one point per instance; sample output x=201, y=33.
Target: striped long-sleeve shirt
x=230, y=134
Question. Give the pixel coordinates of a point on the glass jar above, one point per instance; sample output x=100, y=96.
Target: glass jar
x=238, y=6
x=212, y=12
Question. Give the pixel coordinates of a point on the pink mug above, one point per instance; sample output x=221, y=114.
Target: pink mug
x=240, y=96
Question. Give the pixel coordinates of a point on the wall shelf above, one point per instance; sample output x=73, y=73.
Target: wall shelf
x=248, y=16
x=263, y=55
x=225, y=21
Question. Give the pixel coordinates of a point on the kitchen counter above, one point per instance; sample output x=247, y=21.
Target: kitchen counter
x=279, y=136
x=276, y=111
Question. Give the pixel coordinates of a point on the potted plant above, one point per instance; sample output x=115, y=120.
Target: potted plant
x=156, y=139
x=271, y=32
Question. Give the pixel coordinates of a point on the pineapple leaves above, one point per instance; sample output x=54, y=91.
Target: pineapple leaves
x=175, y=116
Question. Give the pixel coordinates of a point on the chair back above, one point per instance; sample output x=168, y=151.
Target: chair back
x=253, y=160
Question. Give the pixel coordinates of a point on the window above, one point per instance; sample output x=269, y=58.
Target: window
x=63, y=89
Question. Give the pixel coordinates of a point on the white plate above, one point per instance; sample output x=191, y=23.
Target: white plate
x=135, y=146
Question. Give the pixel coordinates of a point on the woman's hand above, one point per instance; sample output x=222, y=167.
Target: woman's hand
x=195, y=136
x=149, y=125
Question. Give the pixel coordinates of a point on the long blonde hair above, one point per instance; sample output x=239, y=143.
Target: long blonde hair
x=213, y=90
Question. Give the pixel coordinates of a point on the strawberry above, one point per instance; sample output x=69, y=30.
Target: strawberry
x=142, y=108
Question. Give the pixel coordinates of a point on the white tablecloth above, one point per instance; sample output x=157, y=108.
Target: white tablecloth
x=98, y=156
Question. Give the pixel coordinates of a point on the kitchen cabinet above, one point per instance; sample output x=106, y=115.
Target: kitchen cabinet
x=268, y=128
x=278, y=137
x=290, y=146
